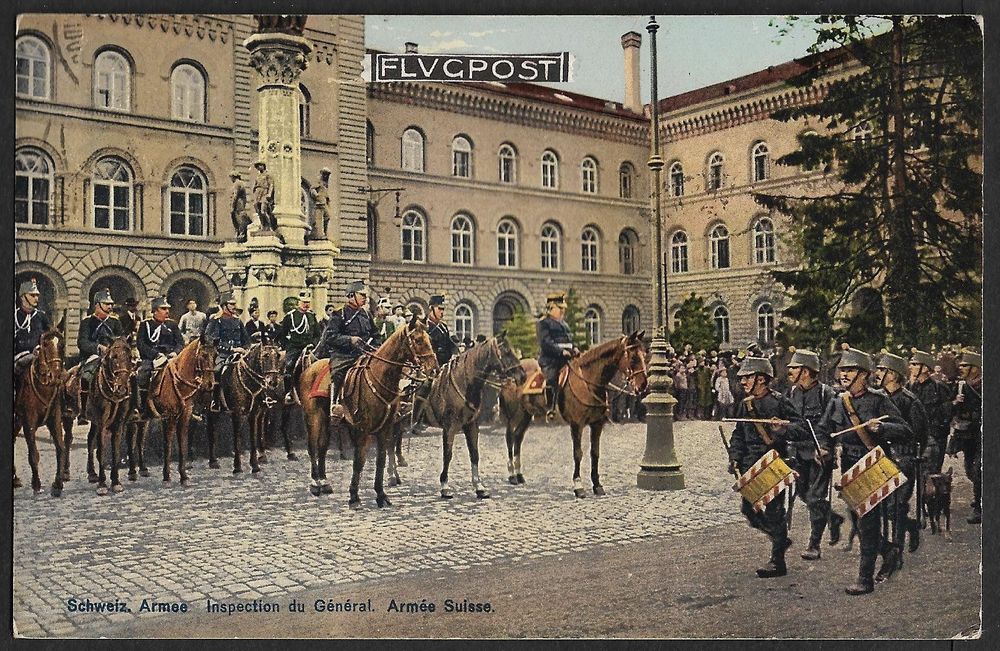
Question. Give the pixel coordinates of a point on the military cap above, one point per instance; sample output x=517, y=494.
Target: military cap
x=325, y=170
x=971, y=357
x=29, y=287
x=103, y=296
x=803, y=357
x=399, y=305
x=856, y=358
x=437, y=299
x=921, y=357
x=754, y=365
x=226, y=297
x=556, y=298
x=235, y=174
x=260, y=163
x=356, y=287
x=305, y=295
x=894, y=363
x=160, y=302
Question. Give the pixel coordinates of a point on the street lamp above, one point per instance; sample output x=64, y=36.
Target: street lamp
x=659, y=468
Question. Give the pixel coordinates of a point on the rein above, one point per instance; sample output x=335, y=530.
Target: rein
x=112, y=391
x=243, y=369
x=46, y=378
x=599, y=391
x=177, y=380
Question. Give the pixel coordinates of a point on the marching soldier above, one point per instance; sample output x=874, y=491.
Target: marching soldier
x=298, y=329
x=254, y=326
x=966, y=426
x=226, y=331
x=556, y=344
x=348, y=333
x=96, y=332
x=810, y=398
x=751, y=440
x=857, y=410
x=29, y=324
x=890, y=374
x=158, y=341
x=936, y=398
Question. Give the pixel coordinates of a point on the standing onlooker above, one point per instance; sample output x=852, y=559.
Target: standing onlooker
x=704, y=380
x=192, y=322
x=680, y=388
x=723, y=395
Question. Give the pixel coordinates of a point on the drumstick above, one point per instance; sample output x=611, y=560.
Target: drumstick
x=857, y=427
x=767, y=421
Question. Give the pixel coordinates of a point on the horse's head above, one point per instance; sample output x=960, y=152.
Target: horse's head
x=633, y=362
x=118, y=365
x=508, y=363
x=204, y=362
x=419, y=344
x=271, y=363
x=50, y=357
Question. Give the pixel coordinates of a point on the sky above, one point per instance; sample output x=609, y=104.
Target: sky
x=692, y=51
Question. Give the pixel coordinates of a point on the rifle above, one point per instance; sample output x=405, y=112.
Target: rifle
x=725, y=444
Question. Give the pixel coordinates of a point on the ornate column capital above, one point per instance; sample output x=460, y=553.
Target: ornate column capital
x=278, y=58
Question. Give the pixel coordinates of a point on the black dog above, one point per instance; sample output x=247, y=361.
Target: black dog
x=937, y=500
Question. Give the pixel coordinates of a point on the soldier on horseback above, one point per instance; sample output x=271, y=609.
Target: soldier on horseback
x=298, y=330
x=29, y=324
x=442, y=345
x=349, y=332
x=556, y=343
x=159, y=340
x=96, y=333
x=226, y=331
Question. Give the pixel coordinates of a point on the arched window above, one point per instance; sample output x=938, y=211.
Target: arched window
x=763, y=241
x=32, y=186
x=32, y=69
x=719, y=241
x=679, y=252
x=187, y=202
x=628, y=244
x=464, y=322
x=461, y=240
x=187, y=86
x=677, y=179
x=589, y=249
x=715, y=175
x=508, y=164
x=721, y=318
x=112, y=81
x=111, y=194
x=631, y=321
x=761, y=162
x=588, y=175
x=461, y=157
x=550, y=170
x=592, y=325
x=765, y=323
x=862, y=133
x=369, y=144
x=506, y=243
x=626, y=179
x=550, y=246
x=305, y=100
x=412, y=159
x=412, y=234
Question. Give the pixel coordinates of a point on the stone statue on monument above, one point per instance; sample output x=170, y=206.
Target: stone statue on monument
x=238, y=206
x=263, y=200
x=320, y=192
x=280, y=23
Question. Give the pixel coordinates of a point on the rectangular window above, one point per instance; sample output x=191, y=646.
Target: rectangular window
x=121, y=208
x=102, y=206
x=21, y=199
x=197, y=214
x=462, y=164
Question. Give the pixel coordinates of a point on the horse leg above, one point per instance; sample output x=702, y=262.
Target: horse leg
x=312, y=440
x=323, y=445
x=447, y=445
x=237, y=421
x=210, y=423
x=472, y=441
x=29, y=438
x=101, y=442
x=595, y=456
x=360, y=447
x=130, y=427
x=509, y=435
x=141, y=429
x=256, y=458
x=116, y=448
x=285, y=435
x=169, y=424
x=67, y=424
x=184, y=420
x=56, y=432
x=384, y=445
x=92, y=453
x=577, y=432
x=390, y=459
x=398, y=436
x=522, y=427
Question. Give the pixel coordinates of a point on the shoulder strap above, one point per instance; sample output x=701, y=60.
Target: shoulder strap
x=856, y=421
x=760, y=427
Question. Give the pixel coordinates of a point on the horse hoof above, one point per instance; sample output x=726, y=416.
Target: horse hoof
x=133, y=476
x=102, y=490
x=520, y=478
x=65, y=476
x=214, y=465
x=117, y=488
x=512, y=480
x=56, y=491
x=17, y=483
x=294, y=457
x=314, y=490
x=355, y=505
x=599, y=490
x=255, y=470
x=483, y=494
x=580, y=493
x=92, y=478
x=166, y=480
x=393, y=482
x=237, y=470
x=447, y=493
x=326, y=489
x=144, y=472
x=383, y=502
x=401, y=462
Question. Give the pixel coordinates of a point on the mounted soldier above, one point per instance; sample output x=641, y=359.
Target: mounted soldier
x=966, y=426
x=441, y=340
x=555, y=342
x=254, y=325
x=870, y=419
x=297, y=330
x=349, y=333
x=29, y=324
x=230, y=338
x=890, y=374
x=96, y=333
x=810, y=398
x=936, y=398
x=158, y=341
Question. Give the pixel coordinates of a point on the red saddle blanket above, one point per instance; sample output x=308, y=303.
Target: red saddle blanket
x=314, y=390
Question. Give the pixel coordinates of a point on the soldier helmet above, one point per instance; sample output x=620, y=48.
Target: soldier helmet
x=305, y=295
x=226, y=297
x=103, y=296
x=922, y=357
x=803, y=357
x=556, y=298
x=160, y=302
x=852, y=357
x=235, y=174
x=356, y=287
x=29, y=287
x=272, y=312
x=437, y=300
x=754, y=366
x=894, y=363
x=970, y=358
x=260, y=165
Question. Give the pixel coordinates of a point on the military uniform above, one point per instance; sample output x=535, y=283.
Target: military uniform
x=270, y=331
x=228, y=334
x=337, y=343
x=156, y=341
x=128, y=317
x=554, y=340
x=936, y=398
x=847, y=411
x=966, y=436
x=94, y=332
x=28, y=328
x=441, y=342
x=297, y=330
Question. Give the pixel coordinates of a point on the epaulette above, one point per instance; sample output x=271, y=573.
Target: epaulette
x=112, y=315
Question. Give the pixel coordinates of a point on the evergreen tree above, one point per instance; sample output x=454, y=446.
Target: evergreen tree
x=899, y=206
x=696, y=326
x=522, y=335
x=574, y=319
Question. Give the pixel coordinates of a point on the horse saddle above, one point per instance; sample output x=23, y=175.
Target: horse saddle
x=315, y=391
x=534, y=385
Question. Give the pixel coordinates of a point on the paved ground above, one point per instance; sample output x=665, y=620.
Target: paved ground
x=633, y=563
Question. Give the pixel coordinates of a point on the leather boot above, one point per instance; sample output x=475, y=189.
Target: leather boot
x=835, y=522
x=862, y=585
x=890, y=561
x=812, y=552
x=81, y=419
x=550, y=403
x=776, y=565
x=914, y=531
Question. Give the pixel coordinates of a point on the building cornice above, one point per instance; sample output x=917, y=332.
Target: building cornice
x=134, y=241
x=119, y=118
x=588, y=278
x=454, y=99
x=200, y=26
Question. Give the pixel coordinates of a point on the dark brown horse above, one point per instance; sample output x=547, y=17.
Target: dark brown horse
x=251, y=386
x=582, y=401
x=172, y=394
x=455, y=399
x=107, y=408
x=368, y=404
x=39, y=400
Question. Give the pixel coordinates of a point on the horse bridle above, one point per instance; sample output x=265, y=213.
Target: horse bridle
x=597, y=388
x=416, y=378
x=628, y=374
x=200, y=373
x=503, y=373
x=244, y=368
x=113, y=390
x=46, y=377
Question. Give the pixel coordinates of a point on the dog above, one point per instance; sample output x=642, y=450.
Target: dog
x=937, y=500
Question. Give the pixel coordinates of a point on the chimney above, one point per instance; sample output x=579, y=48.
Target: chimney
x=630, y=43
x=411, y=48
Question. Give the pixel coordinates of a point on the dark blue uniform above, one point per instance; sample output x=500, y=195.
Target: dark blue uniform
x=227, y=332
x=903, y=453
x=554, y=337
x=253, y=326
x=336, y=342
x=444, y=348
x=28, y=329
x=94, y=332
x=156, y=339
x=936, y=398
x=967, y=437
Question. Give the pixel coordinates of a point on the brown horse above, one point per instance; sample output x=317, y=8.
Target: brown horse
x=39, y=400
x=582, y=400
x=251, y=385
x=368, y=404
x=171, y=395
x=455, y=399
x=107, y=407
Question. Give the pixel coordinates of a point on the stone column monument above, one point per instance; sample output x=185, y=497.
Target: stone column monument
x=276, y=261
